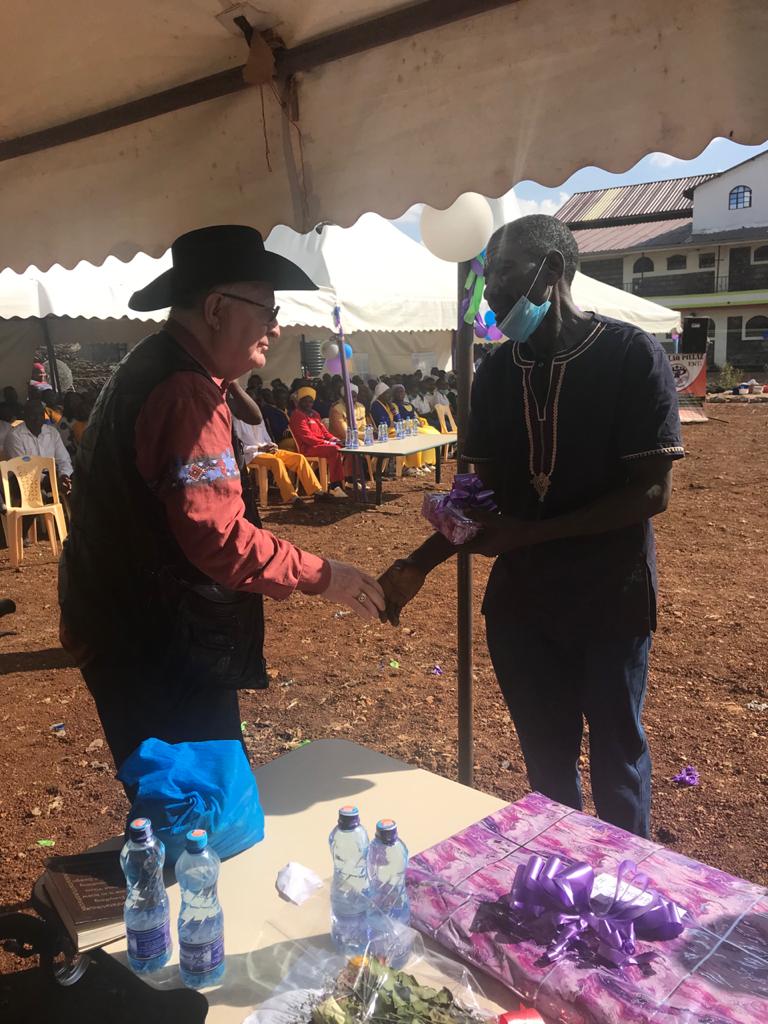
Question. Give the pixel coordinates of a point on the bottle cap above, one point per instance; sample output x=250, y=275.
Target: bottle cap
x=386, y=831
x=197, y=840
x=140, y=830
x=349, y=817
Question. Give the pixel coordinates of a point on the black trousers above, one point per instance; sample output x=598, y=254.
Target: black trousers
x=552, y=680
x=138, y=701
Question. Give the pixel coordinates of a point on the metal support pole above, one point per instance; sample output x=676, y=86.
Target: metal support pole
x=51, y=357
x=465, y=366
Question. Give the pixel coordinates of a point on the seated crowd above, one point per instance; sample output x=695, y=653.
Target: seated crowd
x=285, y=428
x=309, y=417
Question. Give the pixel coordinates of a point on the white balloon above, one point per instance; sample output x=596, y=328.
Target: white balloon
x=330, y=350
x=461, y=232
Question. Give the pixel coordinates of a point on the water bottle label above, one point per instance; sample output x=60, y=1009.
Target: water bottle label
x=201, y=957
x=149, y=943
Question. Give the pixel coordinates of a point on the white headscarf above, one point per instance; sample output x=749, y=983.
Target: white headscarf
x=380, y=388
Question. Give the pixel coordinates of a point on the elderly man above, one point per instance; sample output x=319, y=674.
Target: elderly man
x=574, y=425
x=315, y=440
x=162, y=578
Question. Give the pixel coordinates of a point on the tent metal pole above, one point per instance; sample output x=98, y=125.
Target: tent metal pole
x=464, y=369
x=49, y=347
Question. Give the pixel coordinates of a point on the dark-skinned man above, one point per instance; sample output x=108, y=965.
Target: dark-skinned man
x=575, y=426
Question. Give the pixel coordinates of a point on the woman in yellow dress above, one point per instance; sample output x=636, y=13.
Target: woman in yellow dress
x=406, y=411
x=383, y=410
x=338, y=422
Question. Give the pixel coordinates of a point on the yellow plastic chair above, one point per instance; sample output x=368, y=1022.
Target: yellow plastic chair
x=445, y=419
x=447, y=426
x=262, y=477
x=28, y=471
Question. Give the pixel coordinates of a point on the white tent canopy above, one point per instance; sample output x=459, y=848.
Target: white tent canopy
x=381, y=278
x=398, y=301
x=432, y=100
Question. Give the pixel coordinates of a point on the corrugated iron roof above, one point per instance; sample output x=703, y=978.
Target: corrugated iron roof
x=631, y=237
x=659, y=234
x=643, y=201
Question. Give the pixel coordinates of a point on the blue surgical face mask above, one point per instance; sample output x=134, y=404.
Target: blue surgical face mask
x=525, y=316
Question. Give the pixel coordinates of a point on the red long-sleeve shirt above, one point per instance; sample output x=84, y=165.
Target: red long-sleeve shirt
x=184, y=453
x=309, y=430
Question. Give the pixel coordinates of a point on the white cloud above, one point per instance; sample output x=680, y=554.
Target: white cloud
x=548, y=206
x=664, y=160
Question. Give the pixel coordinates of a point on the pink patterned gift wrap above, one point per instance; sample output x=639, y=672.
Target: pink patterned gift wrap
x=715, y=972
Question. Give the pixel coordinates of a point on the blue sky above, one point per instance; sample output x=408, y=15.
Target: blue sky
x=719, y=155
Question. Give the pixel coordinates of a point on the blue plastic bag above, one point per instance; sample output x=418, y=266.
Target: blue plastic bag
x=181, y=786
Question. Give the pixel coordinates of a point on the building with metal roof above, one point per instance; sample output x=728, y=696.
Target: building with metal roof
x=698, y=244
x=627, y=204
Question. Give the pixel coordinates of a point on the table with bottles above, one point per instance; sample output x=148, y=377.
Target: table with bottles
x=379, y=446
x=301, y=794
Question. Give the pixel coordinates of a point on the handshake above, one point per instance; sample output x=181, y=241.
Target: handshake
x=381, y=599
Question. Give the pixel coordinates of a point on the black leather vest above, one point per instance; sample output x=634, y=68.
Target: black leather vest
x=125, y=586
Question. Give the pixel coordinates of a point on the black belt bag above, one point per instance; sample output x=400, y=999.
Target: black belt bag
x=213, y=636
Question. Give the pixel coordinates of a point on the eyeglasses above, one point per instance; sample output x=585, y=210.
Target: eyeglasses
x=271, y=310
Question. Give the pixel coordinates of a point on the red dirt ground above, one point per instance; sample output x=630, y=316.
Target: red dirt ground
x=332, y=676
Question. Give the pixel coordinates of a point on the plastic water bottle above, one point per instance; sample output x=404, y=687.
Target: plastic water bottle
x=352, y=437
x=383, y=432
x=147, y=915
x=350, y=900
x=201, y=922
x=368, y=434
x=391, y=912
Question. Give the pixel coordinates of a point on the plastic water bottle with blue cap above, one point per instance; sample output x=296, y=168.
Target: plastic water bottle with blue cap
x=350, y=901
x=391, y=914
x=147, y=914
x=201, y=921
x=369, y=434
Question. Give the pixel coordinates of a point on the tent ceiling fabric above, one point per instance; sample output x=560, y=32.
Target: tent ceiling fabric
x=533, y=90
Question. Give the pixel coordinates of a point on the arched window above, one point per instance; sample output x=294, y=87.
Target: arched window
x=756, y=327
x=643, y=266
x=761, y=254
x=676, y=262
x=740, y=198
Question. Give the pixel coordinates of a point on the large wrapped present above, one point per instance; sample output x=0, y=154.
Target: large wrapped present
x=482, y=894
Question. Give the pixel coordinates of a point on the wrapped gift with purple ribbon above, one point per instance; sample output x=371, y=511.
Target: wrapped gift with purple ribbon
x=450, y=513
x=559, y=905
x=592, y=925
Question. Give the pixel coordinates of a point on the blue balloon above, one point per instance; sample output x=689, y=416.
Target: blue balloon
x=490, y=318
x=347, y=350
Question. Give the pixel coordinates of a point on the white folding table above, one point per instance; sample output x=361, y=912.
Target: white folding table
x=401, y=447
x=301, y=793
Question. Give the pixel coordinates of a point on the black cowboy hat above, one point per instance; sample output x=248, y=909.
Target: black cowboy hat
x=223, y=254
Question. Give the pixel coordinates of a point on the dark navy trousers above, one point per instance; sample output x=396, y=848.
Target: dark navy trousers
x=552, y=680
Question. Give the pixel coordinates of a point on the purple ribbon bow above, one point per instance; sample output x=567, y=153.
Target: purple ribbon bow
x=468, y=492
x=553, y=901
x=448, y=512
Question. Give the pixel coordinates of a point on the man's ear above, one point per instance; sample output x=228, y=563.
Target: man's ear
x=212, y=310
x=554, y=266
